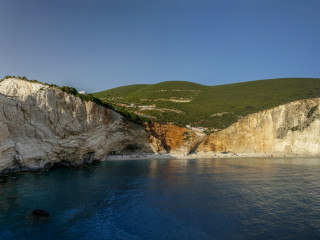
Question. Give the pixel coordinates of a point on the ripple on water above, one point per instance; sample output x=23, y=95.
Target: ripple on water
x=167, y=199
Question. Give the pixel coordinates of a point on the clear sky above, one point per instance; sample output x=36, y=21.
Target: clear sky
x=95, y=45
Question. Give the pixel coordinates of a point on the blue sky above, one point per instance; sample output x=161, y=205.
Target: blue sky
x=100, y=44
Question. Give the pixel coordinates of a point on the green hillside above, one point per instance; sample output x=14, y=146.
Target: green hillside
x=219, y=106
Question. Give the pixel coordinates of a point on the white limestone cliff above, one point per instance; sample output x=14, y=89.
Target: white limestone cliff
x=292, y=128
x=41, y=126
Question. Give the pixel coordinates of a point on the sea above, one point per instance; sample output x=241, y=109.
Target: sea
x=239, y=198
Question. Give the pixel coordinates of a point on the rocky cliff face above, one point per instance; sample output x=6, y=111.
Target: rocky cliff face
x=41, y=126
x=292, y=128
x=171, y=139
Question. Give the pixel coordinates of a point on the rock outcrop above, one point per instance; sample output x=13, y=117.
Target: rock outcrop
x=172, y=139
x=41, y=126
x=292, y=128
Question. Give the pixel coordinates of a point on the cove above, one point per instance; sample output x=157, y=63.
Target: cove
x=245, y=198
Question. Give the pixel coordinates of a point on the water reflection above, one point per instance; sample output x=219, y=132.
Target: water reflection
x=167, y=199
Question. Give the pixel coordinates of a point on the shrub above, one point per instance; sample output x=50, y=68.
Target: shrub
x=69, y=90
x=311, y=111
x=186, y=138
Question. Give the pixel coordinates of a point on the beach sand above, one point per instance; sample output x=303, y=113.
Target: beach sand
x=137, y=156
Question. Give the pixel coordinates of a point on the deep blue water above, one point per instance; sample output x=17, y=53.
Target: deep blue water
x=167, y=199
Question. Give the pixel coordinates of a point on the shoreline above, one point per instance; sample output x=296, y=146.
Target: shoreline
x=149, y=156
x=140, y=156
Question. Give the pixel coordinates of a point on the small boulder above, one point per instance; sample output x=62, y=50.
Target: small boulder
x=4, y=179
x=40, y=213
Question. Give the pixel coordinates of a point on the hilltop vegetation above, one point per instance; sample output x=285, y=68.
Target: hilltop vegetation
x=182, y=103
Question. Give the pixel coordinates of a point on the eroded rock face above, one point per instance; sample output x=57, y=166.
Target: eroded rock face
x=292, y=128
x=171, y=139
x=41, y=126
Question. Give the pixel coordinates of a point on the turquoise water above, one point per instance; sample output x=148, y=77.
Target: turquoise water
x=167, y=199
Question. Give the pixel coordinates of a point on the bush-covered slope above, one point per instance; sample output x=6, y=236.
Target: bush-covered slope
x=209, y=106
